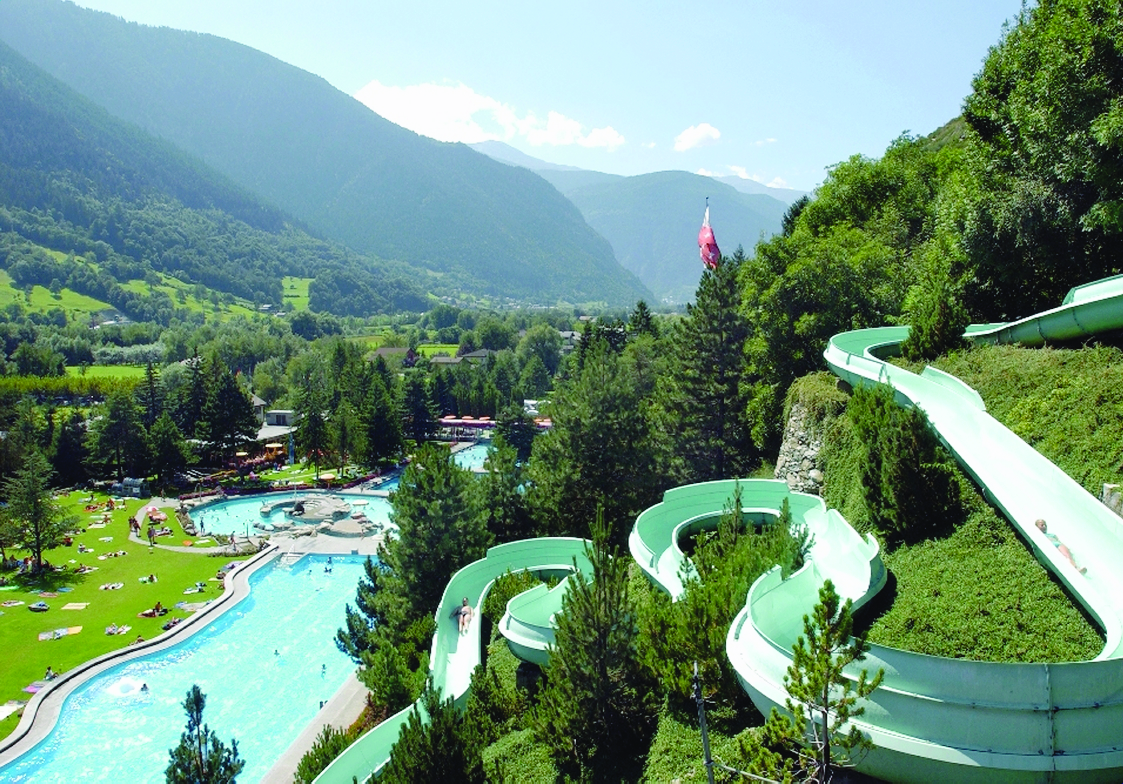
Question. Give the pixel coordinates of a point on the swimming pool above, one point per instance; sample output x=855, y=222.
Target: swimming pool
x=240, y=515
x=473, y=457
x=110, y=732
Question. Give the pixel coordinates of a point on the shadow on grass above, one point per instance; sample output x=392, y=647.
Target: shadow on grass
x=49, y=580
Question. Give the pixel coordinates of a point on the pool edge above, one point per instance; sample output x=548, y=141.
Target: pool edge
x=42, y=711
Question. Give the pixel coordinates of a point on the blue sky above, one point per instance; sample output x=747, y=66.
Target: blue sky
x=769, y=90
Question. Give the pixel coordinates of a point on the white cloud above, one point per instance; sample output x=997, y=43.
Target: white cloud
x=707, y=173
x=762, y=142
x=696, y=136
x=649, y=145
x=454, y=112
x=778, y=182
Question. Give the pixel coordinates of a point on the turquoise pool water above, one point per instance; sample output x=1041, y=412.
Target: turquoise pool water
x=473, y=457
x=110, y=732
x=239, y=515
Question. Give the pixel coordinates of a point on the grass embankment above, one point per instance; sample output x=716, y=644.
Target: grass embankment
x=977, y=591
x=27, y=658
x=1065, y=403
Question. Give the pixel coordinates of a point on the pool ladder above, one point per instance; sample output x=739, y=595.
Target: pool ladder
x=289, y=558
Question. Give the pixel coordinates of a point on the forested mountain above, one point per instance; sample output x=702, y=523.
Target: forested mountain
x=652, y=220
x=297, y=142
x=125, y=205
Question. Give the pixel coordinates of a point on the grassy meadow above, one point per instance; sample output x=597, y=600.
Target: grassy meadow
x=27, y=657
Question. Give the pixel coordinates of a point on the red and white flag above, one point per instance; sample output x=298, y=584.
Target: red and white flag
x=707, y=245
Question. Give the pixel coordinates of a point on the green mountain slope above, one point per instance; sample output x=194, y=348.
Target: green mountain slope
x=120, y=205
x=652, y=221
x=294, y=140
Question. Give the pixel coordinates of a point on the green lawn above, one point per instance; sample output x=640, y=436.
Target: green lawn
x=370, y=341
x=27, y=658
x=296, y=291
x=182, y=294
x=429, y=349
x=107, y=371
x=76, y=306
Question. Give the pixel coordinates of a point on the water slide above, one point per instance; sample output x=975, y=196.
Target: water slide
x=933, y=719
x=454, y=656
x=937, y=719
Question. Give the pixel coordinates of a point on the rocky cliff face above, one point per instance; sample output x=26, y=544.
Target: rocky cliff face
x=799, y=463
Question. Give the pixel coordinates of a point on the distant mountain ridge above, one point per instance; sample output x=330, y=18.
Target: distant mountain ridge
x=297, y=142
x=652, y=220
x=501, y=151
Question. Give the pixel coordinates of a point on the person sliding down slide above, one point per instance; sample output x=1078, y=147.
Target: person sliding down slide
x=1044, y=528
x=464, y=613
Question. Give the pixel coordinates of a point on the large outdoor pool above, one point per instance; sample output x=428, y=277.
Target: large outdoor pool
x=265, y=666
x=241, y=515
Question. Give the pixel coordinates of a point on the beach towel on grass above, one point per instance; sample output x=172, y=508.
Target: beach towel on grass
x=76, y=606
x=57, y=633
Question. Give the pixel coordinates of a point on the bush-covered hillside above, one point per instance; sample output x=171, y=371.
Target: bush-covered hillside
x=75, y=180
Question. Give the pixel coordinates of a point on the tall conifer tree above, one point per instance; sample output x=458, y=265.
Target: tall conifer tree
x=703, y=396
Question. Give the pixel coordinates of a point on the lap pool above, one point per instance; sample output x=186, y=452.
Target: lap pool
x=110, y=732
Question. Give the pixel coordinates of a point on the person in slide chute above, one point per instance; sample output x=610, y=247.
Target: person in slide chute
x=707, y=245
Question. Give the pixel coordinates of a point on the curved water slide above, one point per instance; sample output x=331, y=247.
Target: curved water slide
x=454, y=656
x=936, y=719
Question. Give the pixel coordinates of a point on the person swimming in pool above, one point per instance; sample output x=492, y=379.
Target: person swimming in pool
x=1043, y=527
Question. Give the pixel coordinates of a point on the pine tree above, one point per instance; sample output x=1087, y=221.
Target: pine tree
x=599, y=451
x=169, y=449
x=822, y=699
x=642, y=322
x=195, y=396
x=346, y=435
x=32, y=518
x=200, y=757
x=418, y=410
x=118, y=435
x=70, y=453
x=356, y=637
x=383, y=424
x=596, y=712
x=703, y=395
x=436, y=744
x=438, y=533
x=499, y=495
x=150, y=396
x=228, y=418
x=313, y=437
